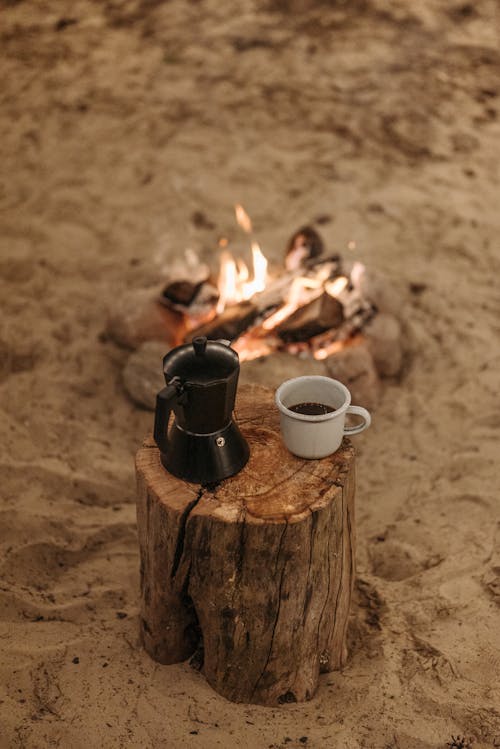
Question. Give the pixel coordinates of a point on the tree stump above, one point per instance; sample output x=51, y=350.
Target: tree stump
x=259, y=569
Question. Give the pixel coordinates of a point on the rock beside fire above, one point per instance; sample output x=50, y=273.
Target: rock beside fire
x=139, y=317
x=271, y=371
x=143, y=376
x=382, y=294
x=383, y=335
x=354, y=367
x=143, y=373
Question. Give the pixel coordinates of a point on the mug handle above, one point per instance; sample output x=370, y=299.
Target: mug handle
x=365, y=415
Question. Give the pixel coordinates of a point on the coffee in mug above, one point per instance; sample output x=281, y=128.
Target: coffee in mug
x=312, y=409
x=312, y=415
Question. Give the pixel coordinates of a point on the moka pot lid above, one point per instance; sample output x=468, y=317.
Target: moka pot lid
x=201, y=362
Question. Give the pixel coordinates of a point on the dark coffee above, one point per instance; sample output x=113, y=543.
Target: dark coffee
x=311, y=409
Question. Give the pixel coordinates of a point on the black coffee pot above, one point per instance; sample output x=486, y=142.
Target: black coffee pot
x=203, y=444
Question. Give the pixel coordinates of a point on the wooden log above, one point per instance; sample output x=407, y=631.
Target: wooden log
x=238, y=318
x=260, y=567
x=195, y=300
x=323, y=313
x=229, y=324
x=181, y=292
x=306, y=244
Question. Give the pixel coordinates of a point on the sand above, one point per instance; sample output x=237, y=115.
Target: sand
x=119, y=121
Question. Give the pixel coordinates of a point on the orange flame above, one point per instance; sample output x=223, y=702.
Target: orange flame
x=227, y=283
x=250, y=347
x=234, y=284
x=332, y=348
x=336, y=287
x=303, y=290
x=259, y=262
x=237, y=283
x=328, y=348
x=243, y=218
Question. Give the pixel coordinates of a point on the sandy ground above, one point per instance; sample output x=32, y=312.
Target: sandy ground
x=119, y=120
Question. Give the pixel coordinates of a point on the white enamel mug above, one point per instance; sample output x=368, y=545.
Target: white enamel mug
x=310, y=436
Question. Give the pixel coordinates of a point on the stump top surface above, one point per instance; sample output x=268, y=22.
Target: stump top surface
x=274, y=486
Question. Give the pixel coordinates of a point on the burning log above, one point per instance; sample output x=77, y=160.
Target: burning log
x=314, y=305
x=306, y=244
x=260, y=568
x=196, y=302
x=229, y=324
x=327, y=343
x=321, y=314
x=189, y=289
x=277, y=289
x=181, y=292
x=237, y=318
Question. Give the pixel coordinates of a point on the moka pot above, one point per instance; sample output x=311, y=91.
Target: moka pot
x=203, y=444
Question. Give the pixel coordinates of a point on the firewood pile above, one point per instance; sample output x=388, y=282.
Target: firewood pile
x=316, y=313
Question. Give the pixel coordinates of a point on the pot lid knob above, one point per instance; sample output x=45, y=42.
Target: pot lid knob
x=199, y=345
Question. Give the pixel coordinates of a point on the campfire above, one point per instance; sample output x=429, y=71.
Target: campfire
x=314, y=311
x=312, y=304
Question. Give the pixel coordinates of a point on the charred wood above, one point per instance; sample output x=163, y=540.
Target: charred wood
x=348, y=328
x=320, y=315
x=305, y=244
x=229, y=324
x=180, y=292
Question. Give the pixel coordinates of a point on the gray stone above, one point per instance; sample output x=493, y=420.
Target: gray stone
x=143, y=373
x=136, y=317
x=383, y=335
x=377, y=289
x=143, y=376
x=272, y=370
x=354, y=367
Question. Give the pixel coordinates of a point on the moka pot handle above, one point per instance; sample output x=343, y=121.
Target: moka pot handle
x=165, y=401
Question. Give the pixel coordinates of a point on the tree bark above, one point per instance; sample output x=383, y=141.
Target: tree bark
x=260, y=567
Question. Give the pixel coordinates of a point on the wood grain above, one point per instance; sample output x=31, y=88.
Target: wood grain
x=260, y=567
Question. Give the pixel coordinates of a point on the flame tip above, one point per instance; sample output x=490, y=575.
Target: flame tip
x=243, y=218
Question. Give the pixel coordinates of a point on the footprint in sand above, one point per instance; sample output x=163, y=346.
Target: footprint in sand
x=37, y=575
x=17, y=355
x=397, y=560
x=53, y=478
